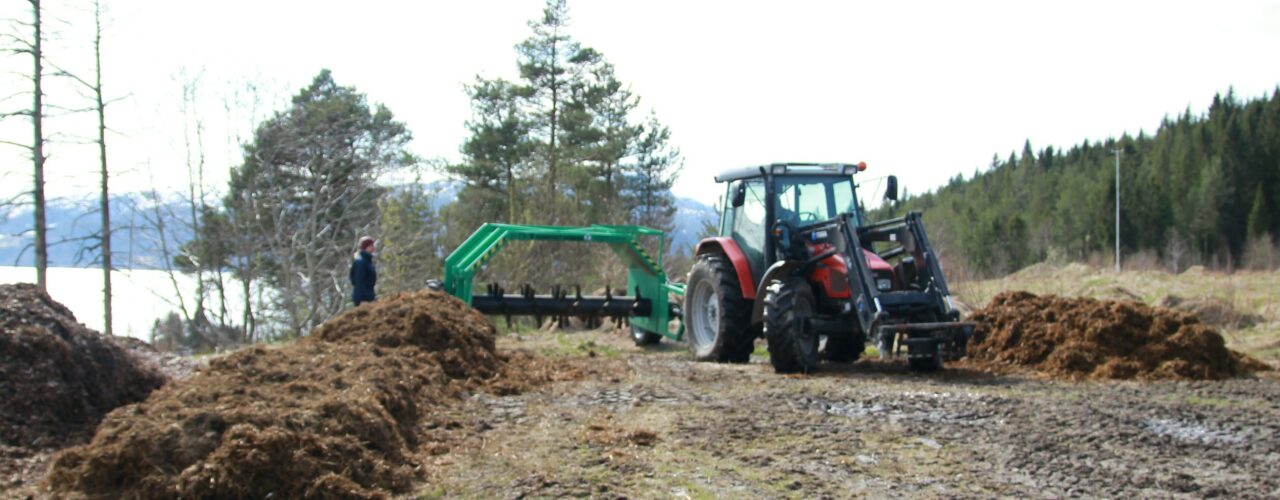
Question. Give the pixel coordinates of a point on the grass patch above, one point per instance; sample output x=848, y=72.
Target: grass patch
x=565, y=346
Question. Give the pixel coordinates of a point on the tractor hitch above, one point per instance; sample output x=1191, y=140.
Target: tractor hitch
x=925, y=341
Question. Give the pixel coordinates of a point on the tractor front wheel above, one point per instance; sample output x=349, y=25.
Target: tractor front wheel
x=788, y=309
x=717, y=318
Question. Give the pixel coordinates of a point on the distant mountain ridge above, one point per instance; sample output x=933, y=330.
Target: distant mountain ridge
x=73, y=227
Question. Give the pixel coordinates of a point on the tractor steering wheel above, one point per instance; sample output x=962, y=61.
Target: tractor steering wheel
x=808, y=217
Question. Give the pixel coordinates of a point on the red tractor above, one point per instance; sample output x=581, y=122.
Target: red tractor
x=796, y=261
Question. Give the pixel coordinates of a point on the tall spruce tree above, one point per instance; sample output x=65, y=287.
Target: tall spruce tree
x=1259, y=215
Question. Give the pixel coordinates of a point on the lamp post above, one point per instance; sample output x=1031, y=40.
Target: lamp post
x=1117, y=151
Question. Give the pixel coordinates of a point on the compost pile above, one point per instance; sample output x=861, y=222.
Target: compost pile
x=1081, y=338
x=1213, y=311
x=334, y=414
x=57, y=377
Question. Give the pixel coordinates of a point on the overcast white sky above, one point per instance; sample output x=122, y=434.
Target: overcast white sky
x=923, y=90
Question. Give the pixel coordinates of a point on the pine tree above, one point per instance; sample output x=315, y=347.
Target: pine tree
x=1259, y=216
x=545, y=61
x=560, y=146
x=306, y=192
x=497, y=154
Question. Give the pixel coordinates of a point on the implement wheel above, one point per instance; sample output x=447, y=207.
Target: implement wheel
x=931, y=363
x=717, y=318
x=644, y=338
x=788, y=308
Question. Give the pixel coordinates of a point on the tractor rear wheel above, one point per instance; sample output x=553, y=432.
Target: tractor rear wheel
x=844, y=348
x=717, y=318
x=644, y=338
x=788, y=309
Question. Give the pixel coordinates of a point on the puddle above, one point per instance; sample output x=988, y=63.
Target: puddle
x=948, y=408
x=1192, y=432
x=616, y=399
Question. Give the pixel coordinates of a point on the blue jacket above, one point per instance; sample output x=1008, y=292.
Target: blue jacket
x=363, y=277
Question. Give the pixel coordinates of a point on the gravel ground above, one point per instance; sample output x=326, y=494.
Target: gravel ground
x=664, y=426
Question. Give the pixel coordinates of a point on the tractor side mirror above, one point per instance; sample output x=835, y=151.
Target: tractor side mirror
x=891, y=193
x=739, y=194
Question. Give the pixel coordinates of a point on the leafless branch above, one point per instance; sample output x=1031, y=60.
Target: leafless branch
x=15, y=94
x=65, y=111
x=18, y=144
x=60, y=72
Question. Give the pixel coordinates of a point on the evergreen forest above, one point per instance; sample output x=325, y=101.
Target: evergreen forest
x=1201, y=190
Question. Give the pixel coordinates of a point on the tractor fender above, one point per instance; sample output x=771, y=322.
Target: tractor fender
x=777, y=270
x=725, y=246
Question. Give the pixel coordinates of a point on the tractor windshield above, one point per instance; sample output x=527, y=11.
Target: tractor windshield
x=809, y=199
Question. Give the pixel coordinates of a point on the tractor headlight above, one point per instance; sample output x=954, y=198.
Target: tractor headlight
x=884, y=284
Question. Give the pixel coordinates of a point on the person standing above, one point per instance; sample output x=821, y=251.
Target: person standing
x=363, y=274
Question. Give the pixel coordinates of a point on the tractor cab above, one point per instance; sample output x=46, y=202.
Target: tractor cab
x=794, y=194
x=795, y=260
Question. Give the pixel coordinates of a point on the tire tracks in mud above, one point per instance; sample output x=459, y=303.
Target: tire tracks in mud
x=871, y=429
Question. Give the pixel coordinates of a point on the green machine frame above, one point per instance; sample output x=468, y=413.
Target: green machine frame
x=645, y=277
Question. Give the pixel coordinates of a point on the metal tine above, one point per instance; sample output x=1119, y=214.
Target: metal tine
x=557, y=293
x=564, y=297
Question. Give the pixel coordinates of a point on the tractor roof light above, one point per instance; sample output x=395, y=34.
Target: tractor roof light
x=851, y=169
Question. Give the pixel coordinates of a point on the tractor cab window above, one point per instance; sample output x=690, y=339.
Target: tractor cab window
x=806, y=200
x=748, y=223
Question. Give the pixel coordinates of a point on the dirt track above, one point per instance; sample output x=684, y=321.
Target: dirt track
x=663, y=426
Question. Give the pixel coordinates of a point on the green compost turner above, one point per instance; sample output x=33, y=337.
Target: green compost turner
x=646, y=306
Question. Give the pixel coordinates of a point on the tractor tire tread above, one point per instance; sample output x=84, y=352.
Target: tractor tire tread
x=735, y=339
x=790, y=351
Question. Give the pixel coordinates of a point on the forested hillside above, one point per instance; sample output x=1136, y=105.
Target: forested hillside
x=1201, y=190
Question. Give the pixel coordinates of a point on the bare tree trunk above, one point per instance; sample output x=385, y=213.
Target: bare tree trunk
x=511, y=194
x=37, y=151
x=195, y=184
x=247, y=321
x=102, y=156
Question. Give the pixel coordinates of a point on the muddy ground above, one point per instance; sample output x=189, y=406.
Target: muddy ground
x=652, y=423
x=552, y=414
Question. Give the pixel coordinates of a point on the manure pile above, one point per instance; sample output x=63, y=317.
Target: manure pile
x=335, y=414
x=57, y=377
x=1081, y=338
